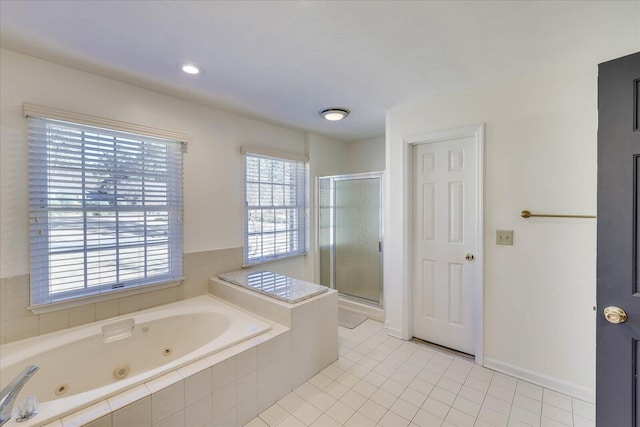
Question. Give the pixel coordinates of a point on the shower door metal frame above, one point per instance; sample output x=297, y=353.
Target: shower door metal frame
x=353, y=177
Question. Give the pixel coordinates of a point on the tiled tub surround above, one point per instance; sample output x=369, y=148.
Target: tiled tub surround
x=313, y=323
x=140, y=347
x=226, y=389
x=232, y=386
x=17, y=322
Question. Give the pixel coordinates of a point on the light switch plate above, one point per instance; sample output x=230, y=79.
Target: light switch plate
x=504, y=237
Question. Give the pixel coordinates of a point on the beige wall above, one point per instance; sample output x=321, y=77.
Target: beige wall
x=332, y=156
x=212, y=165
x=540, y=155
x=213, y=216
x=366, y=155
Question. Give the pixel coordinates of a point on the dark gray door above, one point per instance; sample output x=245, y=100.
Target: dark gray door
x=618, y=349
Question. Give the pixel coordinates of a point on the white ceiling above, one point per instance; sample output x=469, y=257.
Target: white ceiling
x=283, y=61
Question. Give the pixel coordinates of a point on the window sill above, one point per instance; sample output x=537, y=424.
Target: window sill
x=116, y=294
x=270, y=260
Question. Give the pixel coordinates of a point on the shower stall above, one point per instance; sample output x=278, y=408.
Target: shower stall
x=350, y=236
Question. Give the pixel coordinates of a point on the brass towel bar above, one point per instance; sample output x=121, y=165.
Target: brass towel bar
x=527, y=214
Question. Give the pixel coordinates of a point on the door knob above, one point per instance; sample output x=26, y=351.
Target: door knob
x=615, y=315
x=469, y=257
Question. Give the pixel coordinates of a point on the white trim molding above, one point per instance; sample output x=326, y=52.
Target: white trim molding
x=475, y=131
x=33, y=110
x=394, y=332
x=267, y=152
x=579, y=392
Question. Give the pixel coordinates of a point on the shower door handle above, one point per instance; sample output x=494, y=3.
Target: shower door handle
x=380, y=247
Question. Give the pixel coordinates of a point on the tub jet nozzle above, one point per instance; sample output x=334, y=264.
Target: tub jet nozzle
x=121, y=372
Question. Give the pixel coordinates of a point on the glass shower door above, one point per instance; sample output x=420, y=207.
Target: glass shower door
x=351, y=236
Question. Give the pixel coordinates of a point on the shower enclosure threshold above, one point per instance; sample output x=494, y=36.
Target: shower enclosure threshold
x=374, y=312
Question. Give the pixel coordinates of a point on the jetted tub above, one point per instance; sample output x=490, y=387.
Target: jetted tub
x=86, y=364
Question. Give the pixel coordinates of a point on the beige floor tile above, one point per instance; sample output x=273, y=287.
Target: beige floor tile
x=325, y=421
x=380, y=380
x=359, y=420
x=274, y=415
x=426, y=419
x=353, y=399
x=404, y=409
x=391, y=419
x=307, y=413
x=322, y=401
x=340, y=412
x=372, y=410
x=256, y=422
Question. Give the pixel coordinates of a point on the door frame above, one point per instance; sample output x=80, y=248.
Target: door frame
x=477, y=133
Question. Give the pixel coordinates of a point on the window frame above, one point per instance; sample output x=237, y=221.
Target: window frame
x=301, y=207
x=43, y=299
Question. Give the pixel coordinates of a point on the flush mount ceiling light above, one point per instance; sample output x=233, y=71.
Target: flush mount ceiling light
x=191, y=69
x=334, y=114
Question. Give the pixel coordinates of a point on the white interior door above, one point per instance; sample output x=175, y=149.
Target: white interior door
x=445, y=197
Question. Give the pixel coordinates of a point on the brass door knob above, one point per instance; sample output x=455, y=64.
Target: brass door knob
x=615, y=315
x=469, y=257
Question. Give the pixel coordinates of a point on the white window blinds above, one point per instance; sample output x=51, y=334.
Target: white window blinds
x=105, y=210
x=275, y=209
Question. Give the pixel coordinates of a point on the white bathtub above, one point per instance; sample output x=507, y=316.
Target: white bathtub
x=86, y=364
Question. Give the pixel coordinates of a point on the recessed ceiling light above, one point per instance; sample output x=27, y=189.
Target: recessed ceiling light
x=191, y=69
x=334, y=114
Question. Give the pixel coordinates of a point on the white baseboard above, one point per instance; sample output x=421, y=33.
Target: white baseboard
x=579, y=392
x=394, y=332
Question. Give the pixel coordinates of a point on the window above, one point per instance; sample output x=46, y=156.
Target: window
x=276, y=207
x=105, y=210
